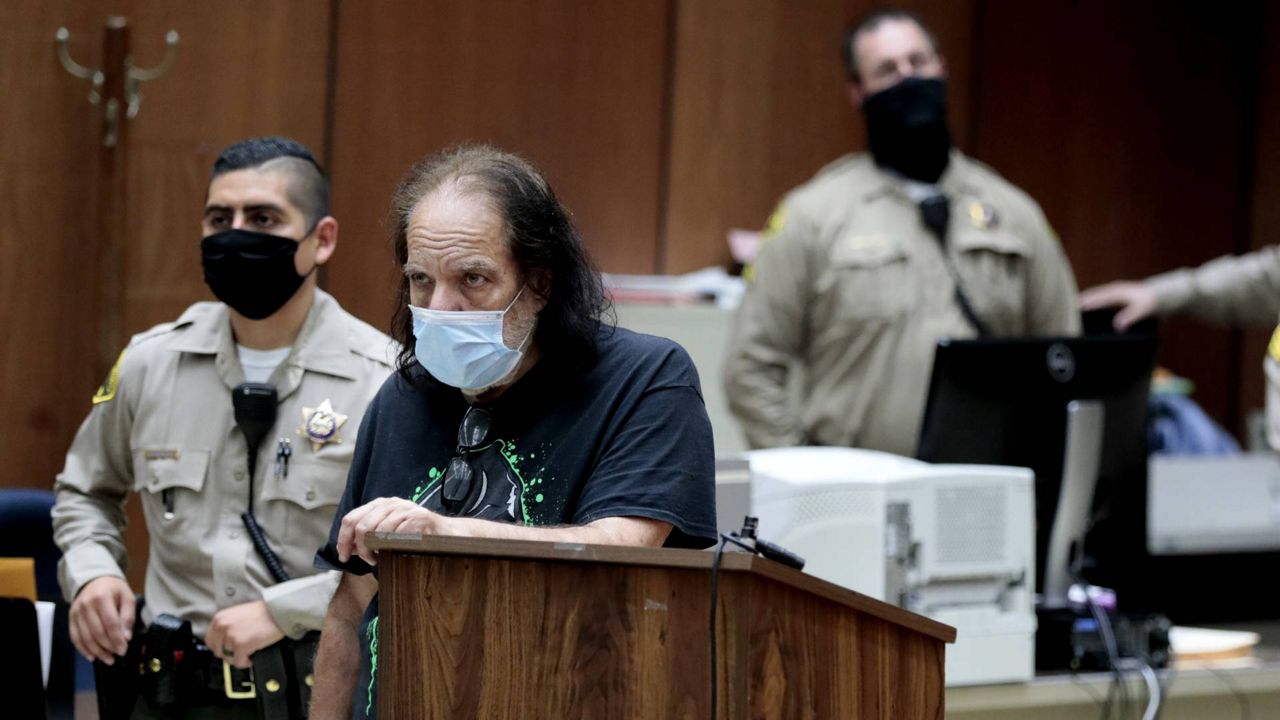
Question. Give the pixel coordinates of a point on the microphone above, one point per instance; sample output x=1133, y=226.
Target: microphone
x=935, y=211
x=747, y=539
x=779, y=554
x=255, y=410
x=255, y=406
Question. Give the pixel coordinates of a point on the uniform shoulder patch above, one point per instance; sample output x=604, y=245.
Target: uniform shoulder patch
x=776, y=221
x=108, y=388
x=771, y=228
x=1273, y=347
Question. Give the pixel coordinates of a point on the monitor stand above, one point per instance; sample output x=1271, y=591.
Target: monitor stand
x=1080, y=463
x=1061, y=639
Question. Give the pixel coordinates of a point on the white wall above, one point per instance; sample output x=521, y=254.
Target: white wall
x=703, y=330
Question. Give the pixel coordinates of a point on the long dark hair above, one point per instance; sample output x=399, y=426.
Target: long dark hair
x=541, y=236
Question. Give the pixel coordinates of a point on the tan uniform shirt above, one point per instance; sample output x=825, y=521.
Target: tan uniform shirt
x=1232, y=290
x=163, y=422
x=851, y=289
x=1235, y=290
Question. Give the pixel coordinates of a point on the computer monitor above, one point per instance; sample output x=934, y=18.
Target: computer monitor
x=1005, y=402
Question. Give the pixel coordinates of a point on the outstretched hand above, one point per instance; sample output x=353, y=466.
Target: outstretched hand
x=1136, y=301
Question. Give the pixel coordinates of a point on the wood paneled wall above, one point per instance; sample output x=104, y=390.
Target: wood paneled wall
x=759, y=105
x=1132, y=129
x=661, y=125
x=1264, y=199
x=244, y=68
x=577, y=88
x=47, y=186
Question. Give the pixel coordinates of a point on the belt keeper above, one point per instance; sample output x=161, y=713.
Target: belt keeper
x=271, y=677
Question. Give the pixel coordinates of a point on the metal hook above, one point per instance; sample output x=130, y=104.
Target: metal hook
x=96, y=77
x=111, y=123
x=170, y=54
x=134, y=77
x=95, y=92
x=60, y=38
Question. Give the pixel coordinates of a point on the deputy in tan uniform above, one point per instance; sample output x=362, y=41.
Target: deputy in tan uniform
x=856, y=281
x=1232, y=290
x=162, y=425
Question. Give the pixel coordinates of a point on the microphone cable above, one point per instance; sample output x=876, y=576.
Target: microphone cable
x=256, y=536
x=935, y=212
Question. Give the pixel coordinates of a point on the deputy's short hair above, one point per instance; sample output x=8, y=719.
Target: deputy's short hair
x=870, y=21
x=308, y=186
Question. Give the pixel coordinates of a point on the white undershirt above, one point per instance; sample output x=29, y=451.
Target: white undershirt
x=918, y=191
x=259, y=364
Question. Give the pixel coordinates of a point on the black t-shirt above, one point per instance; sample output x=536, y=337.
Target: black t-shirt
x=626, y=436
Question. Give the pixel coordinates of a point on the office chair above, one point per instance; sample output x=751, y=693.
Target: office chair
x=26, y=530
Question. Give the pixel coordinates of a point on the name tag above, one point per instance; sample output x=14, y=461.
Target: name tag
x=161, y=454
x=865, y=251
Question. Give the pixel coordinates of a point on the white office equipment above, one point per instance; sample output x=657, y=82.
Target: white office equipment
x=953, y=542
x=1205, y=504
x=733, y=492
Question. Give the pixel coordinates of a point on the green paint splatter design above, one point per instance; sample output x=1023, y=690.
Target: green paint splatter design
x=531, y=509
x=433, y=478
x=533, y=512
x=372, y=634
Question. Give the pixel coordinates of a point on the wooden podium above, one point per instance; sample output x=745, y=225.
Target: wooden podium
x=505, y=629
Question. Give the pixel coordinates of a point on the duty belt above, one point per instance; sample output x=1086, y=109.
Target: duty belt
x=172, y=669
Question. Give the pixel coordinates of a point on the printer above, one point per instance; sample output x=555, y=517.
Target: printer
x=955, y=543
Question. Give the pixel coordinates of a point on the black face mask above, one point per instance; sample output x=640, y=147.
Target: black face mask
x=252, y=272
x=907, y=128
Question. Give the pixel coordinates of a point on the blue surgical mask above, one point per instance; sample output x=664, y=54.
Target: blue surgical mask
x=464, y=348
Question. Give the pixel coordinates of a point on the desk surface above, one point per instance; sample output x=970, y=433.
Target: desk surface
x=1194, y=693
x=1248, y=688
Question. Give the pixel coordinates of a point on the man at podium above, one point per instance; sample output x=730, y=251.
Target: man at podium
x=516, y=412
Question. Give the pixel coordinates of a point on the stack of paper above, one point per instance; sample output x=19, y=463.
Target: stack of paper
x=1204, y=644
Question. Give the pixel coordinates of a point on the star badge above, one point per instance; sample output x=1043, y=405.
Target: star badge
x=320, y=424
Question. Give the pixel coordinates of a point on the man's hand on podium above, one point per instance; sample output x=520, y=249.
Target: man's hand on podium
x=398, y=515
x=386, y=515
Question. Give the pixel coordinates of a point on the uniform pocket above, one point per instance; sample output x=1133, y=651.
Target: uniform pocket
x=171, y=485
x=993, y=268
x=871, y=277
x=310, y=484
x=159, y=469
x=300, y=507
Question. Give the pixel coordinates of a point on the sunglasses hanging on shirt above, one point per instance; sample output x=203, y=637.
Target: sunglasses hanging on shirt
x=473, y=433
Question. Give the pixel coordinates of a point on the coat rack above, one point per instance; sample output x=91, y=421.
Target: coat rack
x=115, y=87
x=117, y=82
